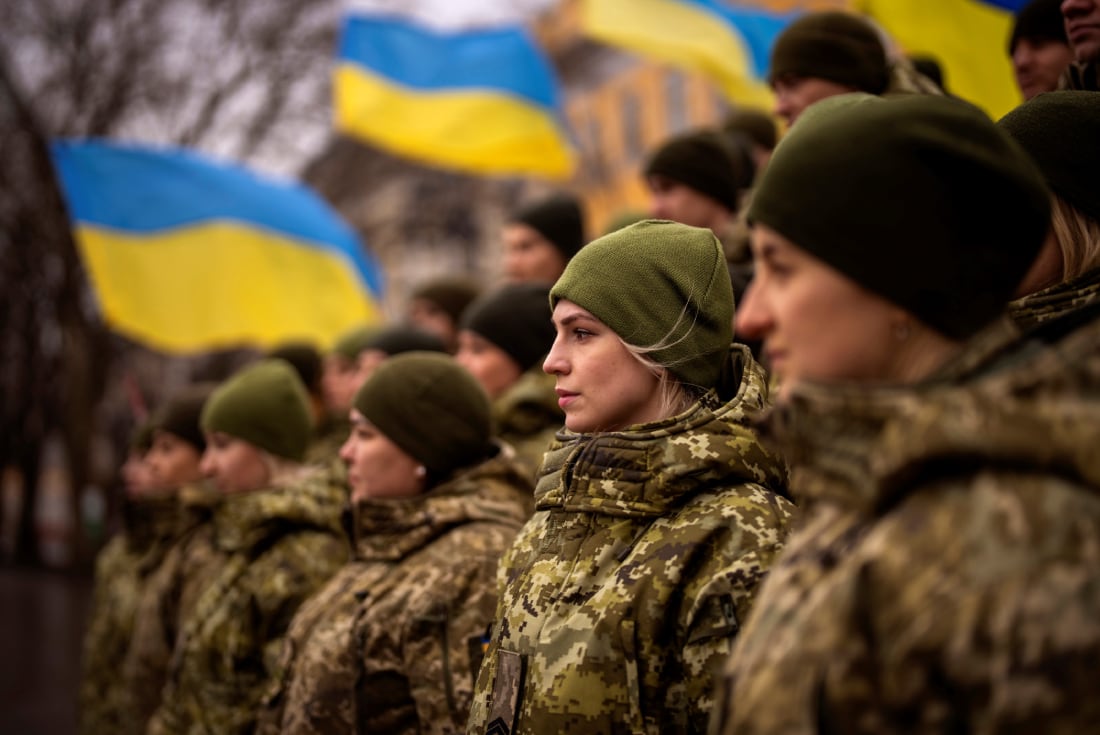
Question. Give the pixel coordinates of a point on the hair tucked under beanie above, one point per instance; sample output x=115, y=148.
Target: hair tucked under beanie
x=559, y=219
x=180, y=415
x=1061, y=132
x=515, y=318
x=432, y=408
x=707, y=162
x=920, y=199
x=659, y=283
x=264, y=404
x=832, y=45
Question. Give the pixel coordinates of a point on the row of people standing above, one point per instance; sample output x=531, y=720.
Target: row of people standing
x=941, y=572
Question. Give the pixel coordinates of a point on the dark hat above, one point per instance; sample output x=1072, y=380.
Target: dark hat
x=401, y=338
x=141, y=438
x=757, y=125
x=832, y=45
x=659, y=282
x=1061, y=131
x=431, y=407
x=266, y=405
x=515, y=318
x=939, y=212
x=181, y=413
x=1039, y=20
x=706, y=161
x=559, y=218
x=452, y=295
x=352, y=342
x=306, y=361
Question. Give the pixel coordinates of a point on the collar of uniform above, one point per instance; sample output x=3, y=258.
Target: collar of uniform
x=1056, y=301
x=242, y=521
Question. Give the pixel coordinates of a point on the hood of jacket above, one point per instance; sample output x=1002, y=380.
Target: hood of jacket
x=646, y=470
x=310, y=499
x=528, y=406
x=495, y=491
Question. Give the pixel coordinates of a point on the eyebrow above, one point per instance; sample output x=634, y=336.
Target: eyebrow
x=572, y=318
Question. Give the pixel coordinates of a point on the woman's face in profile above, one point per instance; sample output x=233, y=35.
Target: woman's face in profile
x=815, y=323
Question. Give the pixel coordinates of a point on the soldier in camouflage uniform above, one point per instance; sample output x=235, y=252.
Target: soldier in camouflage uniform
x=169, y=452
x=944, y=576
x=277, y=537
x=1059, y=130
x=392, y=643
x=657, y=511
x=504, y=336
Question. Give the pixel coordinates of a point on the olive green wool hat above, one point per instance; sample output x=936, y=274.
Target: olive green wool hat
x=515, y=318
x=1061, y=132
x=354, y=341
x=559, y=218
x=181, y=413
x=431, y=407
x=658, y=283
x=832, y=45
x=920, y=199
x=707, y=162
x=266, y=405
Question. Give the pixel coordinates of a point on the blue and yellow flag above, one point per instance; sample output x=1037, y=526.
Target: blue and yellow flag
x=969, y=38
x=478, y=100
x=190, y=255
x=728, y=43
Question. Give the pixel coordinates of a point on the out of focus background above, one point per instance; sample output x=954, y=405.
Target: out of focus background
x=361, y=159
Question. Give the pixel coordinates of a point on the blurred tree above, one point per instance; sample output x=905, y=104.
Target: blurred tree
x=241, y=80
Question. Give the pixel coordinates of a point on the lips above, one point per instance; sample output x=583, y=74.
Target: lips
x=565, y=397
x=1082, y=31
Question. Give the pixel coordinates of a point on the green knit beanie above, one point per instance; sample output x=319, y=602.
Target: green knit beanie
x=559, y=218
x=832, y=45
x=758, y=125
x=451, y=294
x=658, y=282
x=351, y=343
x=264, y=404
x=515, y=318
x=1039, y=20
x=707, y=162
x=1061, y=131
x=181, y=413
x=431, y=407
x=920, y=199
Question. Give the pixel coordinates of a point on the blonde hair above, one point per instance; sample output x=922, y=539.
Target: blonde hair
x=676, y=396
x=1078, y=237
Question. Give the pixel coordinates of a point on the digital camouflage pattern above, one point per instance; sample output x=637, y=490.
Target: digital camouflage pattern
x=167, y=598
x=1056, y=301
x=392, y=642
x=276, y=547
x=122, y=568
x=623, y=594
x=527, y=417
x=946, y=573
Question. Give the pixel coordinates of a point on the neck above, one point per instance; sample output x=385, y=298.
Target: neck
x=922, y=354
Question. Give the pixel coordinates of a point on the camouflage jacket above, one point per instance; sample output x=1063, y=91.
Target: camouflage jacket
x=946, y=573
x=623, y=594
x=527, y=417
x=276, y=547
x=167, y=596
x=392, y=642
x=1056, y=301
x=122, y=568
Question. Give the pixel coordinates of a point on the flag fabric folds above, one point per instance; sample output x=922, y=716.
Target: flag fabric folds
x=480, y=100
x=968, y=37
x=186, y=254
x=728, y=43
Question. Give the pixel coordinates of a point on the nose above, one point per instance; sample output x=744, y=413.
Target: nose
x=206, y=464
x=555, y=362
x=346, y=451
x=752, y=318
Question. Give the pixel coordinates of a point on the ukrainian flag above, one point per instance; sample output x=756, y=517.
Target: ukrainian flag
x=729, y=43
x=190, y=255
x=478, y=100
x=968, y=37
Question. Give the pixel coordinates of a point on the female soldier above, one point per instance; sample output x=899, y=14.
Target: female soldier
x=163, y=458
x=945, y=565
x=657, y=511
x=278, y=535
x=392, y=643
x=1059, y=130
x=504, y=336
